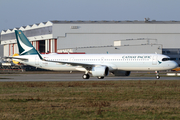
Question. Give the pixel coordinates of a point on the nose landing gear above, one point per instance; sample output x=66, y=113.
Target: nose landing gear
x=157, y=74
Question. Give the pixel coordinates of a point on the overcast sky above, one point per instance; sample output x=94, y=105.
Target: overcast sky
x=17, y=13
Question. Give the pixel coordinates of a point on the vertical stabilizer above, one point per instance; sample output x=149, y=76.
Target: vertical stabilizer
x=25, y=47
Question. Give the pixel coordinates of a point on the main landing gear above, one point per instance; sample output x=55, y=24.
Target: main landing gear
x=157, y=74
x=100, y=77
x=87, y=76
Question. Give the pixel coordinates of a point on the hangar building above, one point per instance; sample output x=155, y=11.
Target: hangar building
x=99, y=37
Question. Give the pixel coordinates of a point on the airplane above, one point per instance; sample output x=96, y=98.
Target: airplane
x=96, y=65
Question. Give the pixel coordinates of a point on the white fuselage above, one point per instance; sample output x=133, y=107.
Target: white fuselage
x=125, y=62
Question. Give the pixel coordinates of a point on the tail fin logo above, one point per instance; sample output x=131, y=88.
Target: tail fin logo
x=24, y=46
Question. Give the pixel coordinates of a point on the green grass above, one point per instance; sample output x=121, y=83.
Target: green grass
x=90, y=100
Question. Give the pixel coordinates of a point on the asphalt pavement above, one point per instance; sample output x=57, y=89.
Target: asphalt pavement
x=69, y=77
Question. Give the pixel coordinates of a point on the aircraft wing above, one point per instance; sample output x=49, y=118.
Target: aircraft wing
x=74, y=63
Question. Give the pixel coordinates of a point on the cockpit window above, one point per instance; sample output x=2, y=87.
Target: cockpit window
x=165, y=59
x=172, y=58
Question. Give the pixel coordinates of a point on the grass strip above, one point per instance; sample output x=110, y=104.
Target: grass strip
x=90, y=100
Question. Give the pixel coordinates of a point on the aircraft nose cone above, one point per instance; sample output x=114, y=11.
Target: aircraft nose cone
x=175, y=64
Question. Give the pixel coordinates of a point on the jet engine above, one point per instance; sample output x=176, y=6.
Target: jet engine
x=100, y=71
x=121, y=73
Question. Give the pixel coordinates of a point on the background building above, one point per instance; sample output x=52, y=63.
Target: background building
x=1, y=49
x=99, y=37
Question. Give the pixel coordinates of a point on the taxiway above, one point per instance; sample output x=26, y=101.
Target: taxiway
x=68, y=77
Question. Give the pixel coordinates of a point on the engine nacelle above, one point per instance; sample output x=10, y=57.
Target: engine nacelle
x=121, y=73
x=100, y=71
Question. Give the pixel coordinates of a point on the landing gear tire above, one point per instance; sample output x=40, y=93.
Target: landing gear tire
x=100, y=77
x=157, y=77
x=86, y=76
x=157, y=74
